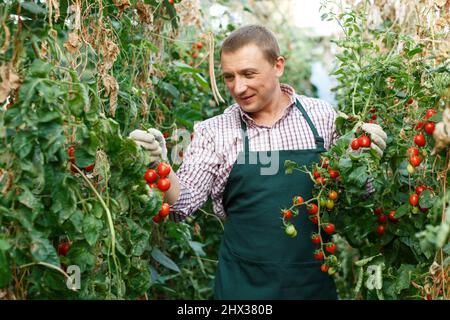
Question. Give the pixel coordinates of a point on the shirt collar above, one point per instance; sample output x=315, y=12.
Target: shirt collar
x=286, y=89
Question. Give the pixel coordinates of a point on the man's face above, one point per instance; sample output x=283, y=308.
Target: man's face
x=250, y=78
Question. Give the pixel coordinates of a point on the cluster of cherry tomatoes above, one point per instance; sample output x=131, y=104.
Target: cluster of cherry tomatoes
x=71, y=154
x=383, y=219
x=420, y=141
x=157, y=179
x=362, y=141
x=322, y=175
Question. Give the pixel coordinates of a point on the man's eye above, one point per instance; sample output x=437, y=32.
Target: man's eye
x=249, y=75
x=228, y=78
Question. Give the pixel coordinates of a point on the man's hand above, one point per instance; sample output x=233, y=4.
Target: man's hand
x=153, y=142
x=377, y=135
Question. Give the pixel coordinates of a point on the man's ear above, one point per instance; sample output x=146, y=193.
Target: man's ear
x=279, y=66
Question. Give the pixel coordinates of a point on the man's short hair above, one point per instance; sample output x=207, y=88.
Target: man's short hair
x=253, y=34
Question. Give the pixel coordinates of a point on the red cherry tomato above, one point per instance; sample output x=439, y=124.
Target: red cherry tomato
x=163, y=170
x=163, y=184
x=419, y=139
x=150, y=176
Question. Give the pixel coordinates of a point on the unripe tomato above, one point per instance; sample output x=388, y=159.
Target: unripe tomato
x=333, y=195
x=329, y=204
x=291, y=231
x=410, y=169
x=163, y=184
x=323, y=202
x=150, y=175
x=332, y=271
x=419, y=139
x=163, y=170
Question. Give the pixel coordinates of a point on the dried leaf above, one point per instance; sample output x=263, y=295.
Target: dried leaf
x=73, y=43
x=111, y=90
x=122, y=5
x=144, y=12
x=9, y=81
x=7, y=38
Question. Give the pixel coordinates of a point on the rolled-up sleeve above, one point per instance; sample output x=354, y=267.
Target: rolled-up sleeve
x=196, y=173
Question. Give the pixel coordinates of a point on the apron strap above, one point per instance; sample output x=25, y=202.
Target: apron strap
x=317, y=138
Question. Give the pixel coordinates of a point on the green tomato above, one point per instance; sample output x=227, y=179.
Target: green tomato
x=323, y=202
x=331, y=271
x=330, y=204
x=410, y=169
x=332, y=258
x=291, y=231
x=415, y=210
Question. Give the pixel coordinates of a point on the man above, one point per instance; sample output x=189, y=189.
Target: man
x=227, y=158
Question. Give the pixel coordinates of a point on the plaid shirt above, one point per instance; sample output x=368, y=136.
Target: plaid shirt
x=217, y=141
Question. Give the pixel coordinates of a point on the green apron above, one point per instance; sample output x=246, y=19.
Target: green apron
x=257, y=260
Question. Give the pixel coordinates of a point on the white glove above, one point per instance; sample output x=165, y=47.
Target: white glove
x=377, y=136
x=152, y=141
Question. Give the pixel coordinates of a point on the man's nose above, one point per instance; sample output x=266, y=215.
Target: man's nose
x=240, y=86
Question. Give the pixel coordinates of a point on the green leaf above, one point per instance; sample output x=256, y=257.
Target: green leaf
x=197, y=247
x=23, y=143
x=5, y=269
x=201, y=81
x=186, y=68
x=42, y=250
x=289, y=166
x=33, y=8
x=359, y=176
x=164, y=260
x=402, y=210
x=29, y=200
x=92, y=228
x=403, y=281
x=426, y=199
x=414, y=51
